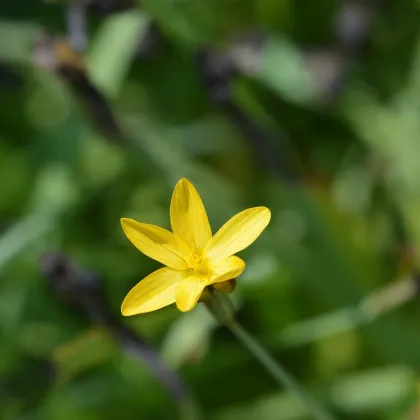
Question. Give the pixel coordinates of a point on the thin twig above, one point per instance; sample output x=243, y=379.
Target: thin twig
x=84, y=290
x=58, y=56
x=76, y=25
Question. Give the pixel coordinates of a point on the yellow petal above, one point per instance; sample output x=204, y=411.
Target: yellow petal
x=236, y=234
x=157, y=243
x=154, y=292
x=230, y=268
x=188, y=292
x=189, y=219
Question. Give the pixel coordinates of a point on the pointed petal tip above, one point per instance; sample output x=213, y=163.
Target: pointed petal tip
x=130, y=308
x=183, y=306
x=182, y=182
x=265, y=212
x=125, y=225
x=185, y=309
x=125, y=310
x=188, y=292
x=265, y=209
x=124, y=221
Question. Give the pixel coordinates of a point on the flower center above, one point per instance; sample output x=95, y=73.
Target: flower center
x=196, y=264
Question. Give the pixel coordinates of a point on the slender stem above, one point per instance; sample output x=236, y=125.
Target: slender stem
x=221, y=307
x=277, y=371
x=366, y=312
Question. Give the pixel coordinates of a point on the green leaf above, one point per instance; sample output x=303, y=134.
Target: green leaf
x=113, y=50
x=88, y=350
x=283, y=68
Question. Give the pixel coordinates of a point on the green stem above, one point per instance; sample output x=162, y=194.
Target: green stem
x=277, y=371
x=221, y=307
x=366, y=312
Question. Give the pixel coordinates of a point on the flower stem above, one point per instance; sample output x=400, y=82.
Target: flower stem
x=221, y=307
x=277, y=371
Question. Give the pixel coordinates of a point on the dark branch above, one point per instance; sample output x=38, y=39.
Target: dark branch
x=84, y=290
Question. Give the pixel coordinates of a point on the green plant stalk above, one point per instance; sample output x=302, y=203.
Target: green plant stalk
x=366, y=312
x=221, y=307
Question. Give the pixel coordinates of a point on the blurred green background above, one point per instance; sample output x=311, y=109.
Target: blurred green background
x=309, y=108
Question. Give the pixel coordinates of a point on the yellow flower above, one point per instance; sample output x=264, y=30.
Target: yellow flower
x=194, y=259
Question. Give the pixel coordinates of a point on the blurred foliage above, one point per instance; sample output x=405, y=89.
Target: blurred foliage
x=311, y=111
